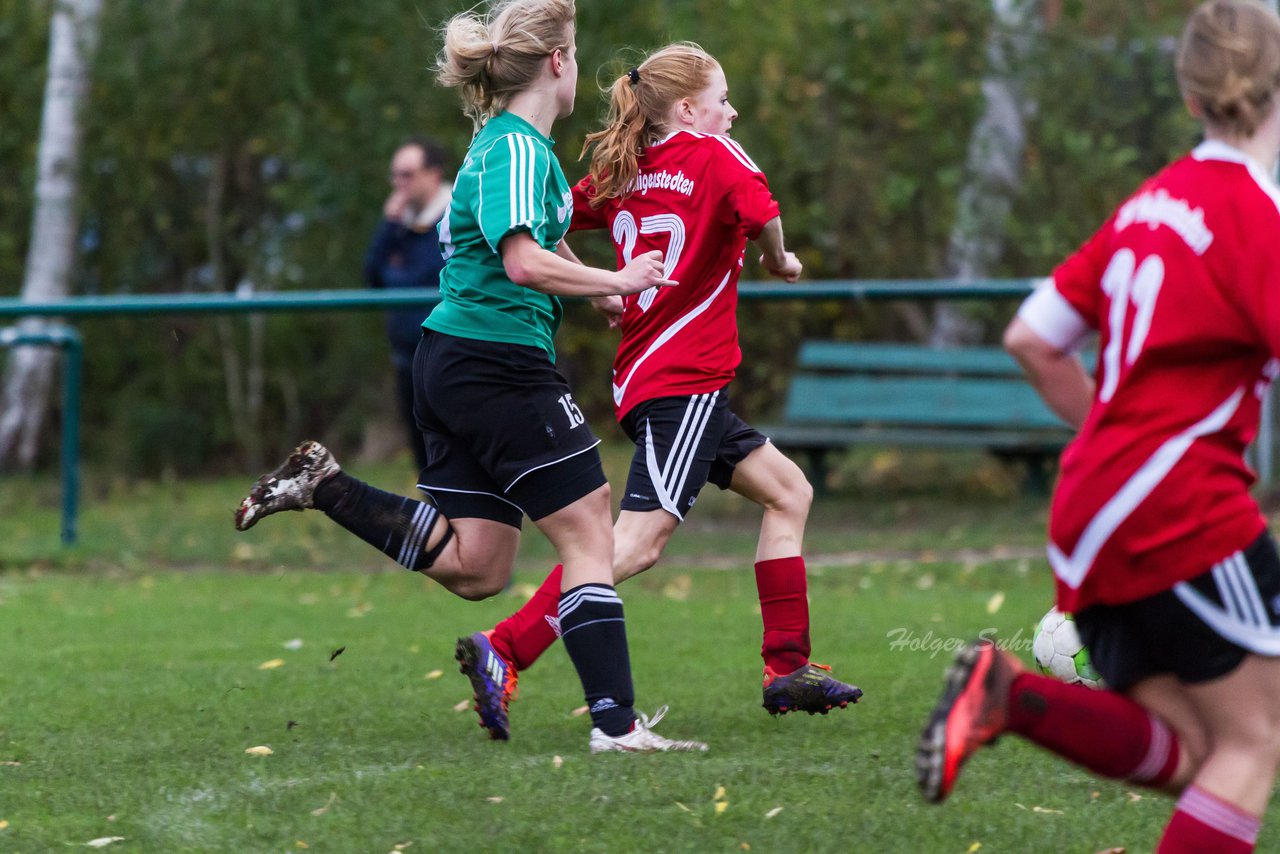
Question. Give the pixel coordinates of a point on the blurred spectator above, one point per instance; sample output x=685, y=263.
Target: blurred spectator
x=405, y=253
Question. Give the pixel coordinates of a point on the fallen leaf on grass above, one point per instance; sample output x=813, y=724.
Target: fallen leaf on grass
x=678, y=588
x=400, y=846
x=333, y=796
x=434, y=674
x=242, y=552
x=994, y=603
x=299, y=843
x=1134, y=797
x=683, y=807
x=1047, y=810
x=719, y=795
x=103, y=841
x=974, y=847
x=272, y=664
x=463, y=706
x=746, y=846
x=580, y=711
x=260, y=750
x=3, y=824
x=360, y=610
x=295, y=643
x=721, y=806
x=771, y=813
x=495, y=799
x=556, y=761
x=11, y=764
x=337, y=652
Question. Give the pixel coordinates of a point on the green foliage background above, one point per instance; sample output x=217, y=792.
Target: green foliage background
x=236, y=141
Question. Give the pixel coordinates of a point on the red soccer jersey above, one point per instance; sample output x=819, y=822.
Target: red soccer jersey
x=698, y=198
x=1183, y=285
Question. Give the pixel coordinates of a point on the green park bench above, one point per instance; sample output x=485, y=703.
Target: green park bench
x=844, y=394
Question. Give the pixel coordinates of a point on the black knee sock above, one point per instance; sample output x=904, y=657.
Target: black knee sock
x=398, y=527
x=595, y=635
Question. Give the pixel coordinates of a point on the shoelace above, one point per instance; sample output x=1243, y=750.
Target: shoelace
x=646, y=722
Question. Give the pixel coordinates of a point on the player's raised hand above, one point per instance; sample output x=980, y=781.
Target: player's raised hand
x=645, y=271
x=789, y=270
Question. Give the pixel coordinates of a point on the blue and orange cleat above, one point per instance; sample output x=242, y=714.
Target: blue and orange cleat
x=493, y=680
x=972, y=712
x=810, y=689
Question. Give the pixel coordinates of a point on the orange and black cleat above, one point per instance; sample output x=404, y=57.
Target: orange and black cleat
x=972, y=712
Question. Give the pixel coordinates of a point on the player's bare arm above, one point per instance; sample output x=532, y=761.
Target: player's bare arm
x=776, y=259
x=1058, y=376
x=529, y=265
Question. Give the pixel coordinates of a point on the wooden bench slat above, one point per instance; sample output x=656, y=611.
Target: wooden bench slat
x=906, y=359
x=819, y=436
x=909, y=400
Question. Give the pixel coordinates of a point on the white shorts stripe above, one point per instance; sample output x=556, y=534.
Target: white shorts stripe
x=682, y=436
x=691, y=453
x=655, y=474
x=1250, y=589
x=1225, y=581
x=427, y=488
x=1228, y=620
x=686, y=445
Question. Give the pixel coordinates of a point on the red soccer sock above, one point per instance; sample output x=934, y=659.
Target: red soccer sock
x=1205, y=823
x=529, y=632
x=784, y=607
x=1102, y=731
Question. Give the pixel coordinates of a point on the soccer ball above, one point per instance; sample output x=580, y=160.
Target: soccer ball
x=1059, y=652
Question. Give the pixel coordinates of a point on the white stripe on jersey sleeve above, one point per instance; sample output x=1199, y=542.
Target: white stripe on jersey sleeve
x=1054, y=319
x=513, y=158
x=736, y=151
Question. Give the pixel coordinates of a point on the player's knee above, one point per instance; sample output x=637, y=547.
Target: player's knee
x=1193, y=748
x=473, y=588
x=633, y=558
x=1256, y=736
x=793, y=497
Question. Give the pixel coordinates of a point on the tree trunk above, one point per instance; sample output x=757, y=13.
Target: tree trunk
x=73, y=33
x=994, y=166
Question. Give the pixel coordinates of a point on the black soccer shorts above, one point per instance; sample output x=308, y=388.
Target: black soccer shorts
x=503, y=434
x=1199, y=630
x=682, y=443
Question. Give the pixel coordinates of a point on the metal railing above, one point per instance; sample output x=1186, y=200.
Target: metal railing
x=69, y=340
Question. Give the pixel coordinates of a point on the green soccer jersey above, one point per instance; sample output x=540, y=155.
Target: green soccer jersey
x=510, y=181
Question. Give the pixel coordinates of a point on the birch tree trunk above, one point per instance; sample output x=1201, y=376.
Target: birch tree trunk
x=28, y=385
x=994, y=165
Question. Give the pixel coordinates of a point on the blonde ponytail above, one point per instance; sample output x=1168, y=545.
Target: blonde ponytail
x=1228, y=63
x=639, y=104
x=494, y=56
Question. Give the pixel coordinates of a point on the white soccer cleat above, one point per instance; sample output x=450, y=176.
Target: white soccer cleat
x=642, y=739
x=292, y=486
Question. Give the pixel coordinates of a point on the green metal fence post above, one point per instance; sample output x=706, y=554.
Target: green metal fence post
x=69, y=341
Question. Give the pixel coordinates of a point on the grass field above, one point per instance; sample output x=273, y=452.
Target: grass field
x=136, y=671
